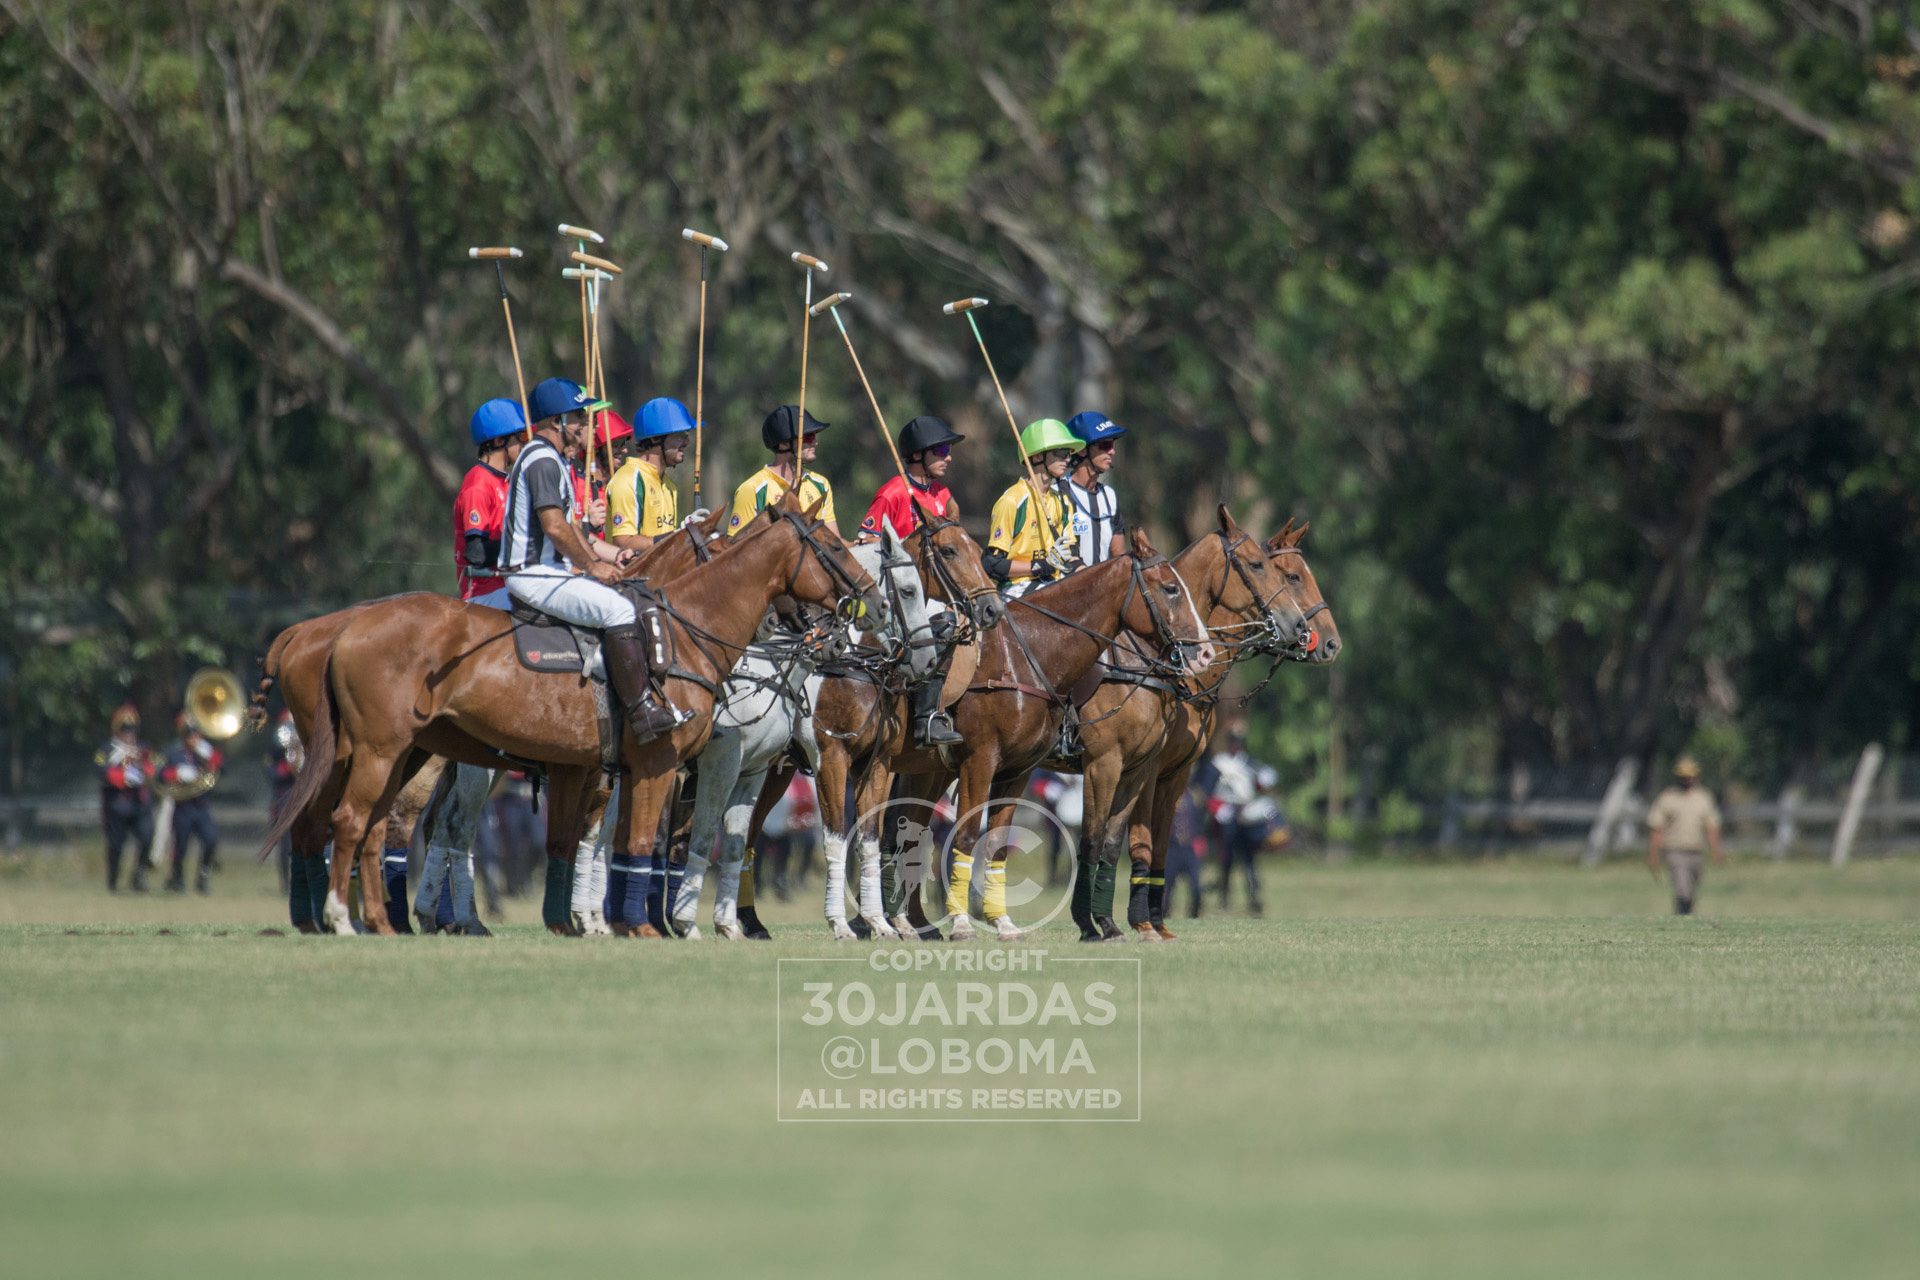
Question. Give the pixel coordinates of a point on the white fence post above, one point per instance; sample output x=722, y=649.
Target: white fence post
x=1619, y=793
x=1863, y=773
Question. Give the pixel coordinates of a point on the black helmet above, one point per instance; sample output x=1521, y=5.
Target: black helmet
x=778, y=430
x=924, y=432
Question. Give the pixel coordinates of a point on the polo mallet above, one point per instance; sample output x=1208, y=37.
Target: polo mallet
x=833, y=305
x=592, y=278
x=496, y=257
x=809, y=265
x=580, y=236
x=705, y=242
x=968, y=306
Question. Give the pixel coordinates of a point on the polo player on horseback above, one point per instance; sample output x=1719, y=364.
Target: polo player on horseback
x=1030, y=547
x=792, y=448
x=642, y=504
x=497, y=429
x=1097, y=529
x=926, y=443
x=542, y=547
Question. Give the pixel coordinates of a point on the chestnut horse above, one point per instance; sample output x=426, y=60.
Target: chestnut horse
x=426, y=674
x=1013, y=710
x=296, y=662
x=1192, y=727
x=1126, y=722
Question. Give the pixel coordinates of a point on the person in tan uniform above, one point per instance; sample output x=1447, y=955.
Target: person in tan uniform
x=1683, y=823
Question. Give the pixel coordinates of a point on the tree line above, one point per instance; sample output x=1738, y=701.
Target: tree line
x=1582, y=334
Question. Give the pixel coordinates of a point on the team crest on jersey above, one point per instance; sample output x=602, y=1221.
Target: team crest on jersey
x=618, y=518
x=473, y=517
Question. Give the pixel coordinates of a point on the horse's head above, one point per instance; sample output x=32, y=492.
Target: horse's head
x=906, y=628
x=1321, y=643
x=1251, y=602
x=1159, y=610
x=827, y=573
x=949, y=560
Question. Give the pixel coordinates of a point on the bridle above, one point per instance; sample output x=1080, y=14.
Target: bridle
x=1163, y=628
x=921, y=637
x=1309, y=641
x=930, y=525
x=851, y=607
x=1269, y=636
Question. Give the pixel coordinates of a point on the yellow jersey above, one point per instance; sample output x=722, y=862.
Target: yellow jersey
x=641, y=500
x=763, y=488
x=1017, y=533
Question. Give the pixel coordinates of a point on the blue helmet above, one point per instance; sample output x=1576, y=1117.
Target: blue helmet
x=497, y=418
x=662, y=416
x=556, y=396
x=1093, y=425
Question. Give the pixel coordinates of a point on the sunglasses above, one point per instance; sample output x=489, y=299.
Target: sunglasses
x=941, y=450
x=810, y=437
x=1105, y=446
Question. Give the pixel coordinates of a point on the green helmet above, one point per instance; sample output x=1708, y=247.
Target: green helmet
x=1047, y=433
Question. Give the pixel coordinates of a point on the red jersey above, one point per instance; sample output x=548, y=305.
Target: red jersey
x=903, y=510
x=481, y=508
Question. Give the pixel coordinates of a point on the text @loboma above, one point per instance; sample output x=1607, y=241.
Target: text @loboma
x=934, y=1034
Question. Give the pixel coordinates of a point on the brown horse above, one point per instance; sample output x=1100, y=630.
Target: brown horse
x=296, y=662
x=1013, y=710
x=1193, y=726
x=1127, y=721
x=426, y=674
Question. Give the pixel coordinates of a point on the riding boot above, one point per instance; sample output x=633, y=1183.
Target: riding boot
x=932, y=727
x=627, y=671
x=1081, y=904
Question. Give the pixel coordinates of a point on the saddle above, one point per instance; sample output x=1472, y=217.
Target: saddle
x=553, y=645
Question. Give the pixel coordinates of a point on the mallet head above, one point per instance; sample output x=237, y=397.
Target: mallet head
x=588, y=260
x=828, y=303
x=809, y=262
x=581, y=233
x=964, y=304
x=701, y=237
x=584, y=273
x=489, y=254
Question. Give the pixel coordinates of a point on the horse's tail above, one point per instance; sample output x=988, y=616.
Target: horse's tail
x=269, y=676
x=322, y=741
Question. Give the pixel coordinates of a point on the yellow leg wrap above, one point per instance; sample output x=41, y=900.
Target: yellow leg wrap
x=957, y=887
x=996, y=873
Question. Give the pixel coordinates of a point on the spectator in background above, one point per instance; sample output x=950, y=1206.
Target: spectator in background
x=523, y=834
x=1186, y=846
x=789, y=829
x=192, y=760
x=1236, y=787
x=1064, y=796
x=126, y=766
x=1684, y=821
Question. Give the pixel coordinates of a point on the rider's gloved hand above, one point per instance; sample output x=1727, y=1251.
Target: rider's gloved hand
x=1043, y=571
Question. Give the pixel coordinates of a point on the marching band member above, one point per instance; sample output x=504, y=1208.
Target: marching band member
x=498, y=429
x=1028, y=550
x=926, y=444
x=792, y=448
x=125, y=766
x=1096, y=511
x=190, y=760
x=642, y=504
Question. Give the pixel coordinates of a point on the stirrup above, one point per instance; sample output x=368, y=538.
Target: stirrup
x=653, y=717
x=937, y=730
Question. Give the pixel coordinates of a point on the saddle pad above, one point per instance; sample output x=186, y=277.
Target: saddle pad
x=966, y=660
x=542, y=648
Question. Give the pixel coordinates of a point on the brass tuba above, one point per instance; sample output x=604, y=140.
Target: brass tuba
x=217, y=708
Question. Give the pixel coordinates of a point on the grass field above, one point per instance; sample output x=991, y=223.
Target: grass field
x=1481, y=1070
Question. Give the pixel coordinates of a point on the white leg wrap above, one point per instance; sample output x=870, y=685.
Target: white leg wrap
x=686, y=906
x=836, y=851
x=334, y=915
x=461, y=869
x=870, y=903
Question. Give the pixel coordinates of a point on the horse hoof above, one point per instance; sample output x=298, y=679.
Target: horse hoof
x=648, y=931
x=597, y=926
x=428, y=923
x=1166, y=934
x=904, y=928
x=883, y=931
x=681, y=928
x=1144, y=932
x=759, y=933
x=1009, y=931
x=729, y=932
x=562, y=930
x=962, y=930
x=842, y=931
x=471, y=928
x=692, y=934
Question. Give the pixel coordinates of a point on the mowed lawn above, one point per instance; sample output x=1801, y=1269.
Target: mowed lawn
x=1501, y=1069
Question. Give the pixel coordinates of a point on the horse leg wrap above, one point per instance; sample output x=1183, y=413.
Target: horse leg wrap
x=1104, y=873
x=729, y=889
x=657, y=891
x=836, y=853
x=394, y=861
x=639, y=882
x=994, y=891
x=433, y=874
x=870, y=898
x=688, y=882
x=559, y=891
x=619, y=871
x=1156, y=900
x=960, y=886
x=583, y=901
x=299, y=897
x=893, y=888
x=1081, y=903
x=1137, y=895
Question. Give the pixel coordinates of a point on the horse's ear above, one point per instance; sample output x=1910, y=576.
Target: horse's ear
x=1279, y=540
x=1137, y=539
x=1293, y=537
x=789, y=501
x=1227, y=526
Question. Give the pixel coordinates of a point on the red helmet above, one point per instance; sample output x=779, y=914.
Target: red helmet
x=609, y=425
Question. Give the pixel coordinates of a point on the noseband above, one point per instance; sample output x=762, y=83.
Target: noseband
x=1269, y=639
x=851, y=607
x=929, y=526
